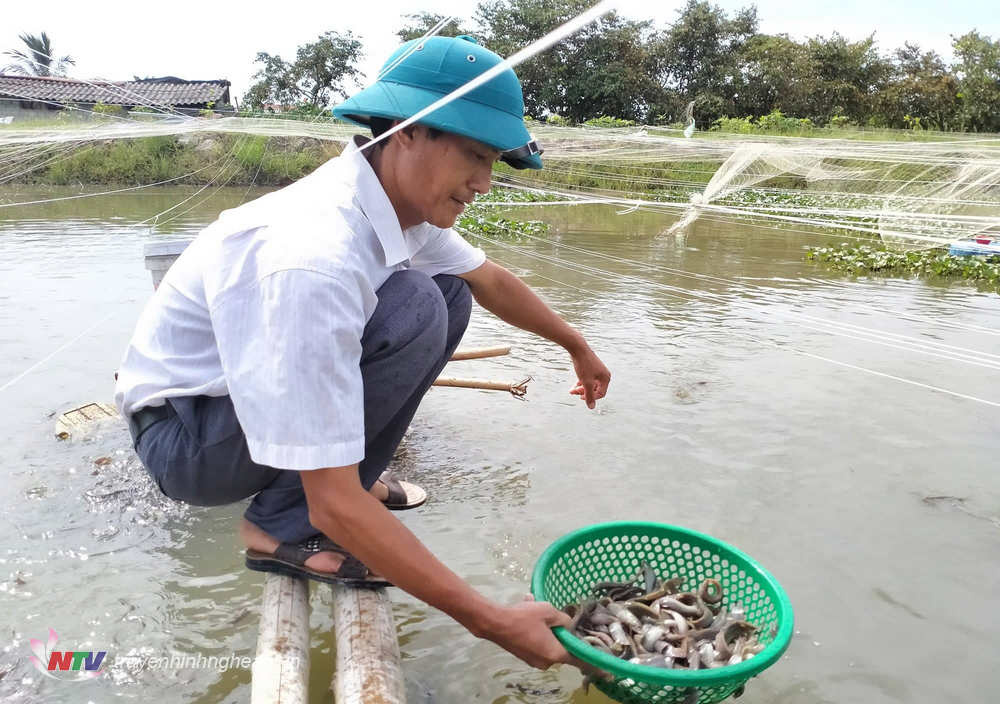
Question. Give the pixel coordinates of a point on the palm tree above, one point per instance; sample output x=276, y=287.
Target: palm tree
x=38, y=60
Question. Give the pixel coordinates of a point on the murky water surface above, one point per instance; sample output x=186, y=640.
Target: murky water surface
x=731, y=411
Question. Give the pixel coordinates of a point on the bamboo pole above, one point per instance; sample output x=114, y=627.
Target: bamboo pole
x=519, y=390
x=479, y=353
x=280, y=673
x=368, y=668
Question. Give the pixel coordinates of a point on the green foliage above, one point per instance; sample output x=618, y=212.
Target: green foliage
x=501, y=228
x=557, y=120
x=418, y=24
x=717, y=58
x=697, y=59
x=38, y=60
x=927, y=263
x=507, y=195
x=111, y=110
x=921, y=92
x=274, y=161
x=739, y=125
x=147, y=160
x=484, y=220
x=606, y=68
x=774, y=72
x=319, y=72
x=207, y=111
x=773, y=123
x=250, y=152
x=848, y=77
x=977, y=66
x=605, y=121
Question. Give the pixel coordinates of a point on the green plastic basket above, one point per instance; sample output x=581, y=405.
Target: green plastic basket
x=566, y=572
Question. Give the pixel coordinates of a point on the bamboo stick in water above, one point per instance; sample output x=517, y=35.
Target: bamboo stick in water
x=479, y=353
x=281, y=669
x=368, y=667
x=519, y=389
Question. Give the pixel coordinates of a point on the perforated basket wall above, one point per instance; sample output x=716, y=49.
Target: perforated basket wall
x=566, y=572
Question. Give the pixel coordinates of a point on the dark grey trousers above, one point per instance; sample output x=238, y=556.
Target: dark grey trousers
x=199, y=454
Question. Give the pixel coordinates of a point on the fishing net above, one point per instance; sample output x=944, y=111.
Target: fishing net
x=881, y=187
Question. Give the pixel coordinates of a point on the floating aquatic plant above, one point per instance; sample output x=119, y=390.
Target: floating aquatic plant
x=503, y=228
x=935, y=262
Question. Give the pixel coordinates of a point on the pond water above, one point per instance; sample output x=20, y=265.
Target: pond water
x=740, y=406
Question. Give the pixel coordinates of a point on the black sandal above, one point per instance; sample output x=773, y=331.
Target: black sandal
x=290, y=559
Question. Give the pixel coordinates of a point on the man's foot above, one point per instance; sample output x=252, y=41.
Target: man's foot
x=379, y=490
x=397, y=495
x=257, y=540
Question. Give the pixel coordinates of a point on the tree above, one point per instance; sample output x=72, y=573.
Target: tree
x=39, y=59
x=977, y=67
x=319, y=71
x=921, y=88
x=417, y=25
x=510, y=25
x=697, y=57
x=603, y=69
x=320, y=68
x=610, y=72
x=849, y=75
x=773, y=73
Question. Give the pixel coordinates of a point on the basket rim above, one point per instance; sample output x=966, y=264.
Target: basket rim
x=622, y=669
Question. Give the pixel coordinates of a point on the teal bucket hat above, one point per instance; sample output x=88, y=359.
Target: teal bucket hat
x=492, y=114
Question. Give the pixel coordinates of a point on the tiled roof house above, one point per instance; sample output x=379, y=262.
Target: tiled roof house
x=51, y=93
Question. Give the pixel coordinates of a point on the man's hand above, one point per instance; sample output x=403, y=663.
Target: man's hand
x=592, y=377
x=534, y=642
x=506, y=296
x=525, y=630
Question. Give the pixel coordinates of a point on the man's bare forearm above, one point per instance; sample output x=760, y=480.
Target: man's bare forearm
x=510, y=299
x=357, y=520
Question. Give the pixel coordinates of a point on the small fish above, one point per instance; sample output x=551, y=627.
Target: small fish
x=624, y=615
x=673, y=604
x=597, y=643
x=641, y=611
x=649, y=578
x=617, y=632
x=582, y=611
x=707, y=654
x=710, y=591
x=651, y=635
x=705, y=619
x=603, y=637
x=649, y=621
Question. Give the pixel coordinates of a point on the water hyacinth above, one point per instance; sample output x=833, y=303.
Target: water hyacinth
x=935, y=262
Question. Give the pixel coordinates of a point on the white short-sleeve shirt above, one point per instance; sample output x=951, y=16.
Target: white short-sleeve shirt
x=268, y=305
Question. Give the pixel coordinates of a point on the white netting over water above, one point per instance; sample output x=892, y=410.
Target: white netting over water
x=910, y=194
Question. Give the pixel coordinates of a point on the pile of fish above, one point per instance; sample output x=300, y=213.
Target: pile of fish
x=649, y=621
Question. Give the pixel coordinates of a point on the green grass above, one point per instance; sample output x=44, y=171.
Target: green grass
x=866, y=134
x=223, y=159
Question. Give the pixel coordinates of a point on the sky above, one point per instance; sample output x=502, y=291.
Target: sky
x=212, y=39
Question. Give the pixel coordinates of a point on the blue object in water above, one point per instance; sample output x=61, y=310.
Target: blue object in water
x=968, y=248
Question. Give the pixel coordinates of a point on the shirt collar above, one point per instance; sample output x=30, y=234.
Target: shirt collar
x=375, y=204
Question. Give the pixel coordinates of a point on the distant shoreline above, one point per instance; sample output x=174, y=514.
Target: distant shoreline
x=202, y=159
